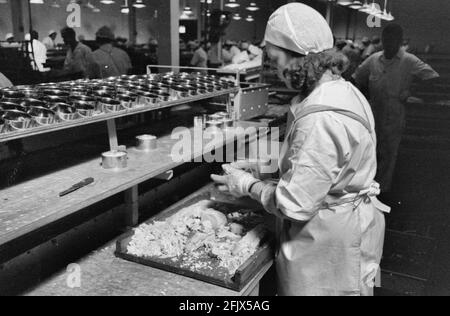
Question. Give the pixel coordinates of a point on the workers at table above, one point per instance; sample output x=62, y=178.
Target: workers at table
x=50, y=40
x=112, y=61
x=79, y=57
x=388, y=76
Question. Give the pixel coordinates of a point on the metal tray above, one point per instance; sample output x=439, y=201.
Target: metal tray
x=213, y=274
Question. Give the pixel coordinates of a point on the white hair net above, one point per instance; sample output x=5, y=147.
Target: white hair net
x=299, y=28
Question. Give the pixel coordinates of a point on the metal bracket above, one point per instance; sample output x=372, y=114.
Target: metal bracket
x=112, y=134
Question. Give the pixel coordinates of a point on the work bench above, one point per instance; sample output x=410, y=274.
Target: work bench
x=37, y=224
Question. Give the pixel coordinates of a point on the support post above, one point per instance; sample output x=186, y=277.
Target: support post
x=169, y=32
x=17, y=19
x=112, y=134
x=132, y=207
x=132, y=33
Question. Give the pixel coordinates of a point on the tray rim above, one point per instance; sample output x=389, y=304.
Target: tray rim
x=233, y=284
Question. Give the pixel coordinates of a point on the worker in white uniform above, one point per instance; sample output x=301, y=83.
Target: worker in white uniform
x=50, y=40
x=4, y=82
x=10, y=42
x=37, y=51
x=331, y=225
x=388, y=76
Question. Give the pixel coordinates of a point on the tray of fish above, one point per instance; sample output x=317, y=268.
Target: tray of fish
x=219, y=242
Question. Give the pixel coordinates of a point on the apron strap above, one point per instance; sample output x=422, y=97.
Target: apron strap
x=324, y=108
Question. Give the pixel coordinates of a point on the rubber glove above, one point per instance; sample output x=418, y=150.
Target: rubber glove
x=235, y=181
x=260, y=169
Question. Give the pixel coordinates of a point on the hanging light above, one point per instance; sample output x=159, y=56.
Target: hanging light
x=139, y=4
x=237, y=17
x=356, y=5
x=107, y=1
x=366, y=7
x=386, y=15
x=374, y=9
x=250, y=19
x=125, y=9
x=37, y=1
x=345, y=3
x=232, y=4
x=252, y=7
x=55, y=4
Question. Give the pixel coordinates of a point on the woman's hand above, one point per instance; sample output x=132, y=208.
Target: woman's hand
x=235, y=181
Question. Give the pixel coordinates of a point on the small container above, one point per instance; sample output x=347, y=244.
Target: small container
x=65, y=112
x=17, y=120
x=91, y=100
x=50, y=100
x=57, y=93
x=165, y=97
x=148, y=98
x=42, y=116
x=133, y=96
x=12, y=95
x=146, y=142
x=84, y=109
x=114, y=160
x=180, y=92
x=215, y=117
x=125, y=101
x=29, y=103
x=30, y=93
x=8, y=106
x=214, y=124
x=199, y=122
x=109, y=105
x=2, y=122
x=78, y=92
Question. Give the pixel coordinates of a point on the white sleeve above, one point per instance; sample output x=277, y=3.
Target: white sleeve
x=320, y=148
x=423, y=70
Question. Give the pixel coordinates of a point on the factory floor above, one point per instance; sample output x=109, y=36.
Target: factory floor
x=416, y=246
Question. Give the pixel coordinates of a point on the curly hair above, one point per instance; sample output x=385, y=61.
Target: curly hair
x=305, y=75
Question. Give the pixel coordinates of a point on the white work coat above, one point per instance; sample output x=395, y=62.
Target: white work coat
x=40, y=56
x=4, y=82
x=331, y=224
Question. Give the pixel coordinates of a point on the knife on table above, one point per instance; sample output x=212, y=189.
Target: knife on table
x=77, y=186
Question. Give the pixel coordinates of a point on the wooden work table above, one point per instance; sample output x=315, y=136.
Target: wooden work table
x=102, y=274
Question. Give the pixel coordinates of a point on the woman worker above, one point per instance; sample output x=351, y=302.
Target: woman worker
x=332, y=225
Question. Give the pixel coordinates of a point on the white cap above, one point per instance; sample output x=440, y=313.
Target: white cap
x=299, y=28
x=28, y=37
x=8, y=36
